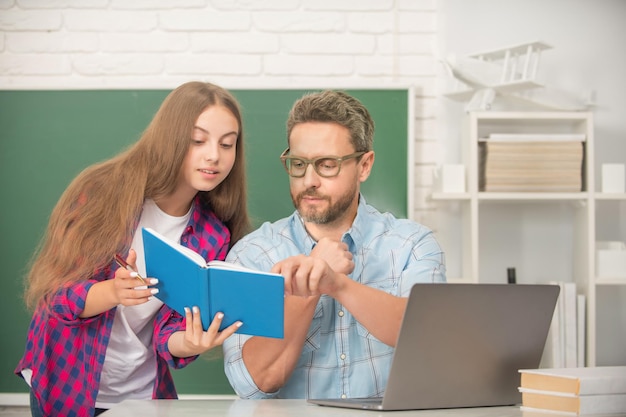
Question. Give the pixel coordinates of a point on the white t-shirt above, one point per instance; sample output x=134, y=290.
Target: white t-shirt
x=129, y=367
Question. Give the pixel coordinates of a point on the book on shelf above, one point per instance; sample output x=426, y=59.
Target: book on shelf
x=519, y=166
x=576, y=381
x=533, y=147
x=532, y=164
x=581, y=326
x=536, y=137
x=185, y=280
x=538, y=173
x=578, y=405
x=531, y=180
x=548, y=188
x=568, y=292
x=565, y=344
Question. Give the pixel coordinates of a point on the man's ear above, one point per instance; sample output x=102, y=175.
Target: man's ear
x=366, y=163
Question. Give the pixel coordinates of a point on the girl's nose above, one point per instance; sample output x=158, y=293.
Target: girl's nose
x=211, y=153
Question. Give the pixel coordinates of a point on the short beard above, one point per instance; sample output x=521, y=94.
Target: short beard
x=331, y=214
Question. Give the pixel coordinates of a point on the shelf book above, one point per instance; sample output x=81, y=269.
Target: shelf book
x=185, y=280
x=565, y=345
x=531, y=162
x=578, y=391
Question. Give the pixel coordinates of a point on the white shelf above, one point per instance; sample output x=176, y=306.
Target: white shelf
x=488, y=226
x=610, y=281
x=610, y=197
x=450, y=196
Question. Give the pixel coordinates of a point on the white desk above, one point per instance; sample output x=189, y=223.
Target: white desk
x=288, y=408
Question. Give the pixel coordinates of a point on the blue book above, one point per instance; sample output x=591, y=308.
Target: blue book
x=185, y=280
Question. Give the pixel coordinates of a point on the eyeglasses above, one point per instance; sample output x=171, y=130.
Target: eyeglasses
x=325, y=166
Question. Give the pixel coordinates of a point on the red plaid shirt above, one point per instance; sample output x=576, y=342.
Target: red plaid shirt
x=66, y=353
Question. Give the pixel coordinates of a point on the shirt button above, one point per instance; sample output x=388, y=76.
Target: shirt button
x=340, y=313
x=343, y=356
x=344, y=396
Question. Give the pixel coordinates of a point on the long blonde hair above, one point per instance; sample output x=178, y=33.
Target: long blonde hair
x=95, y=216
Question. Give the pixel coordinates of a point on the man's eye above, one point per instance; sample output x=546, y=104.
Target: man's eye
x=327, y=163
x=296, y=163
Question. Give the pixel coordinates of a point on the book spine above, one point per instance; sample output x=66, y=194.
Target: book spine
x=581, y=322
x=206, y=311
x=571, y=356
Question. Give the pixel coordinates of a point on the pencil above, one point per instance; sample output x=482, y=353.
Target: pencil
x=121, y=262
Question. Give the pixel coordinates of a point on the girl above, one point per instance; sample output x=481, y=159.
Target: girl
x=98, y=336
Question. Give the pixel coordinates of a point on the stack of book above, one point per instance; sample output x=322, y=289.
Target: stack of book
x=531, y=162
x=575, y=391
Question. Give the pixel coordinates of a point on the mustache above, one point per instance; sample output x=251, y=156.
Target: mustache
x=310, y=193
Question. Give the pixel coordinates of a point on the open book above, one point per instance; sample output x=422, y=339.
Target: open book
x=185, y=280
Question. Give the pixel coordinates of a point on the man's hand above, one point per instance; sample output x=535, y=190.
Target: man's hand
x=307, y=276
x=336, y=254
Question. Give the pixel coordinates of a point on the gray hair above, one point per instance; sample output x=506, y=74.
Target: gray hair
x=335, y=107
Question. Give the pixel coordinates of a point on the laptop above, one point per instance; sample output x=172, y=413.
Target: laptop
x=461, y=345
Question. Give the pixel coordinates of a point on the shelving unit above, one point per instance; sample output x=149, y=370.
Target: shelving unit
x=546, y=236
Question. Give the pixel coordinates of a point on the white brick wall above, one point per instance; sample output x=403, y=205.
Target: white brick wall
x=75, y=44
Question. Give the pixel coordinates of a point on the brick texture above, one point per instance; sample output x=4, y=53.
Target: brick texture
x=241, y=43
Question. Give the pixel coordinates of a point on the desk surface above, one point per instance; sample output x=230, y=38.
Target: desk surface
x=289, y=408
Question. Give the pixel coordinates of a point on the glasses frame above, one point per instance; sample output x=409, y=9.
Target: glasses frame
x=284, y=157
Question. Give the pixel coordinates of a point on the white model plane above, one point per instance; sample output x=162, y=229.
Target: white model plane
x=509, y=72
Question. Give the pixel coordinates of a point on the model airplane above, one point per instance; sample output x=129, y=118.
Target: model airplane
x=508, y=72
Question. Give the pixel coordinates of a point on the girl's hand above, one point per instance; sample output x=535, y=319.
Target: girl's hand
x=194, y=340
x=125, y=288
x=129, y=290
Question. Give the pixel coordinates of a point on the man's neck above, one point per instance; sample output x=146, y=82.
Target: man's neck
x=333, y=230
x=317, y=232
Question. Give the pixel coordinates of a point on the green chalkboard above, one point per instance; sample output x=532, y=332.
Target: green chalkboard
x=48, y=137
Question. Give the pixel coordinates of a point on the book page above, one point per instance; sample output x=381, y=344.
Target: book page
x=189, y=253
x=229, y=265
x=198, y=259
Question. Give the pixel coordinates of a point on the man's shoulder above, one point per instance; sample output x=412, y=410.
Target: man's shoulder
x=268, y=234
x=387, y=221
x=270, y=243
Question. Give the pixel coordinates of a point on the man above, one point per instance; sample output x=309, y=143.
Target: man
x=348, y=268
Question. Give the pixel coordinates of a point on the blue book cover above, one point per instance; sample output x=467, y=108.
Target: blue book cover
x=185, y=280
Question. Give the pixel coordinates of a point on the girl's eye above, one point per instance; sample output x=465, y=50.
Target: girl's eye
x=227, y=145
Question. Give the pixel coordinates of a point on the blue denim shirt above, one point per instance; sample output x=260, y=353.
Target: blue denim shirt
x=340, y=357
